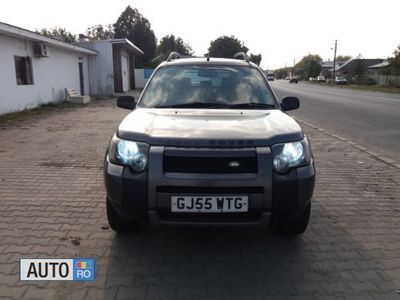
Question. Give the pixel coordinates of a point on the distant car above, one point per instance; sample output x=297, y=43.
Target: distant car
x=271, y=77
x=340, y=80
x=321, y=79
x=312, y=79
x=293, y=80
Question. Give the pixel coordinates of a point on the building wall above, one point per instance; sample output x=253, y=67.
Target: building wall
x=51, y=75
x=100, y=68
x=142, y=76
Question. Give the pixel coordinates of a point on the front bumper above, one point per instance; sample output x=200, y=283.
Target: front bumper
x=145, y=197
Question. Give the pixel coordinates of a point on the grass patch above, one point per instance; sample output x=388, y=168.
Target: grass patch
x=374, y=88
x=36, y=112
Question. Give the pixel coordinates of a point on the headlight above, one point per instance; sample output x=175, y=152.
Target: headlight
x=129, y=153
x=290, y=155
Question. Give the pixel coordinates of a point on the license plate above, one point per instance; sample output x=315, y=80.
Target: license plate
x=210, y=204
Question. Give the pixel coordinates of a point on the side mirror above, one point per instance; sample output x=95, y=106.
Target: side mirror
x=290, y=103
x=127, y=102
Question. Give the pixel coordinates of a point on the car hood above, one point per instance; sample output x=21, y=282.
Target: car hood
x=209, y=127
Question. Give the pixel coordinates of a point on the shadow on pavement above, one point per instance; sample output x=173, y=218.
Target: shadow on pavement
x=231, y=262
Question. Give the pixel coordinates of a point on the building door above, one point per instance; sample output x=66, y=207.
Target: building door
x=81, y=79
x=125, y=73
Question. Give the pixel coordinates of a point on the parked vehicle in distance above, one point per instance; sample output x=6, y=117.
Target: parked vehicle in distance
x=312, y=79
x=340, y=80
x=321, y=79
x=270, y=77
x=208, y=143
x=293, y=80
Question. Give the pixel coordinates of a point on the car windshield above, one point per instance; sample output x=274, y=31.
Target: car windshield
x=208, y=87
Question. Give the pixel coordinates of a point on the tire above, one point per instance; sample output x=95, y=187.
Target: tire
x=298, y=225
x=117, y=222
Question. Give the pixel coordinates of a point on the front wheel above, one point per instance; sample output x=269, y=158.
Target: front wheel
x=117, y=222
x=298, y=225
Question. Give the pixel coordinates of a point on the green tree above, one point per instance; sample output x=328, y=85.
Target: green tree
x=168, y=44
x=395, y=62
x=171, y=43
x=308, y=66
x=226, y=46
x=100, y=32
x=256, y=58
x=343, y=57
x=58, y=33
x=281, y=73
x=132, y=25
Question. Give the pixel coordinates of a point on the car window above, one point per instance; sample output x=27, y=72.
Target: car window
x=225, y=85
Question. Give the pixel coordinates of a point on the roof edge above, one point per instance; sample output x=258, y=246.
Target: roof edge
x=14, y=31
x=128, y=42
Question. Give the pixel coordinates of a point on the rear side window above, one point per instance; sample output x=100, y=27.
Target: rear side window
x=175, y=85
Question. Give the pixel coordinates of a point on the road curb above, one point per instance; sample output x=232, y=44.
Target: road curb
x=373, y=154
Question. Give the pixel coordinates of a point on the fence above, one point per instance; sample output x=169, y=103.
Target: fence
x=388, y=80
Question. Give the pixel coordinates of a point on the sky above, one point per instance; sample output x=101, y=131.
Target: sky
x=282, y=31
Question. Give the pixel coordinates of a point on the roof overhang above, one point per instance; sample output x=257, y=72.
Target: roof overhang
x=344, y=65
x=128, y=45
x=381, y=65
x=25, y=34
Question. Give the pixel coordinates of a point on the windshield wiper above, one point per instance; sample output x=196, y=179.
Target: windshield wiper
x=252, y=105
x=191, y=105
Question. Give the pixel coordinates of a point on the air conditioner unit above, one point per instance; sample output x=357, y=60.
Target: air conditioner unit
x=40, y=50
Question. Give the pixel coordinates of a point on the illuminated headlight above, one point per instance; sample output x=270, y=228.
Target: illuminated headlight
x=129, y=153
x=291, y=155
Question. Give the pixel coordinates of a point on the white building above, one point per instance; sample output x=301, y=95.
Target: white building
x=35, y=69
x=113, y=69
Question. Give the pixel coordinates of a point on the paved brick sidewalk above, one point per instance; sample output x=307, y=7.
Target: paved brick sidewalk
x=52, y=205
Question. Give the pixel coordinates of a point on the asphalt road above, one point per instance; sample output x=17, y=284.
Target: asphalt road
x=370, y=119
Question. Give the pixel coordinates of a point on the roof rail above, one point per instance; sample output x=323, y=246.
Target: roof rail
x=173, y=55
x=242, y=55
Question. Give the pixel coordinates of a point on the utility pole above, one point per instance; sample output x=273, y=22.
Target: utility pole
x=334, y=61
x=294, y=63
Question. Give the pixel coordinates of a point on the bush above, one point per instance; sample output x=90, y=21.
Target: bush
x=364, y=80
x=392, y=83
x=371, y=81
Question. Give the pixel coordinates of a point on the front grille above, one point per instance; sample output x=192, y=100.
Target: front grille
x=210, y=190
x=212, y=163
